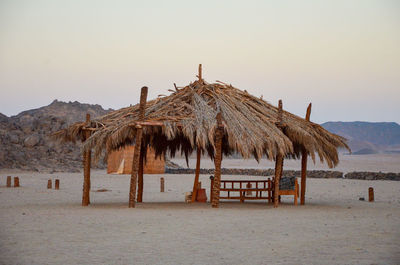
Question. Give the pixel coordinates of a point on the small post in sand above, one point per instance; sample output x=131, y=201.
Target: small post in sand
x=371, y=194
x=162, y=185
x=8, y=181
x=16, y=182
x=57, y=184
x=49, y=184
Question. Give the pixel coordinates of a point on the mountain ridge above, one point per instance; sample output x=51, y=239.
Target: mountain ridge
x=374, y=136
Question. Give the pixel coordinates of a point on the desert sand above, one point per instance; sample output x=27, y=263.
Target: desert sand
x=41, y=226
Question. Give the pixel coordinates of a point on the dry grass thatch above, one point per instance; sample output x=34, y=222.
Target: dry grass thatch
x=187, y=119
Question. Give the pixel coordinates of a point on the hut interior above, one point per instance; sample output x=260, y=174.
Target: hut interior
x=120, y=161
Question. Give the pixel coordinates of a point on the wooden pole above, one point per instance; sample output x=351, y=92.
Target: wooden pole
x=269, y=191
x=57, y=184
x=278, y=174
x=278, y=161
x=200, y=73
x=8, y=181
x=16, y=182
x=217, y=162
x=138, y=147
x=162, y=185
x=135, y=166
x=140, y=177
x=304, y=165
x=211, y=188
x=196, y=178
x=49, y=184
x=371, y=194
x=86, y=169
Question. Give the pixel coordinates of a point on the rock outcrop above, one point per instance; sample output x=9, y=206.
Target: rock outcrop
x=26, y=143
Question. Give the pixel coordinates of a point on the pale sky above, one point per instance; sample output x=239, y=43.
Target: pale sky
x=343, y=56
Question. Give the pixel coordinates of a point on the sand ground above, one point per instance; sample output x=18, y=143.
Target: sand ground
x=40, y=226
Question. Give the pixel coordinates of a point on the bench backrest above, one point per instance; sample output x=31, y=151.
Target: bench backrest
x=287, y=183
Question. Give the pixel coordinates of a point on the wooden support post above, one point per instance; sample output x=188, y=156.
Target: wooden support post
x=140, y=177
x=211, y=188
x=304, y=165
x=135, y=166
x=49, y=184
x=278, y=174
x=57, y=184
x=371, y=194
x=278, y=161
x=16, y=182
x=217, y=162
x=8, y=181
x=200, y=73
x=138, y=147
x=86, y=169
x=196, y=178
x=269, y=191
x=162, y=185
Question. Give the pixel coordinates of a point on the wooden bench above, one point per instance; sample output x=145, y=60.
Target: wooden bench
x=263, y=189
x=246, y=189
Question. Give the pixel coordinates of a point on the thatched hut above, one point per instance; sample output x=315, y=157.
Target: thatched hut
x=213, y=118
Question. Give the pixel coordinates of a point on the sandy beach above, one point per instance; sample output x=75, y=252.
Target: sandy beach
x=41, y=226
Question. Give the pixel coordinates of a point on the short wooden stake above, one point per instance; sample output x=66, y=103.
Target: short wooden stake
x=161, y=184
x=371, y=194
x=8, y=181
x=49, y=184
x=57, y=184
x=16, y=182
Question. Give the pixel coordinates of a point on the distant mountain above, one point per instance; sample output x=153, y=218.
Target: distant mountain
x=70, y=112
x=371, y=136
x=25, y=138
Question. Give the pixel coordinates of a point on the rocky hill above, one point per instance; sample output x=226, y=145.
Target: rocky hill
x=25, y=138
x=368, y=137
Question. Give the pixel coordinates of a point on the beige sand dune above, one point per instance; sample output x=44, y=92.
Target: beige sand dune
x=40, y=226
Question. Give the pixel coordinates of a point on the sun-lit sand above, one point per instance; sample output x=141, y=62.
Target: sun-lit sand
x=41, y=226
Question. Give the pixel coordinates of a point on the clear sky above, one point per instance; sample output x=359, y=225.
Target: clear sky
x=343, y=56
